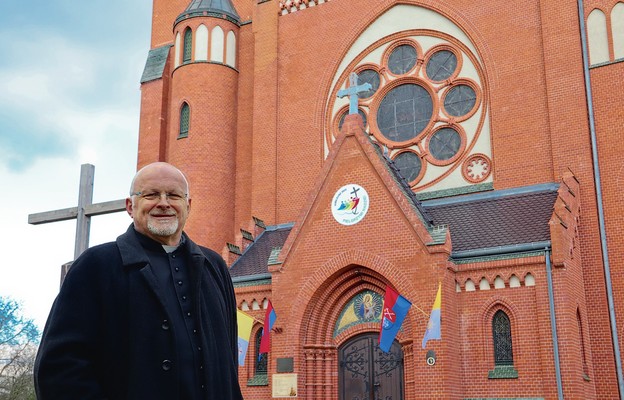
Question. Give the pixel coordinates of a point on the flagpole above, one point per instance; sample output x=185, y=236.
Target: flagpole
x=255, y=319
x=421, y=310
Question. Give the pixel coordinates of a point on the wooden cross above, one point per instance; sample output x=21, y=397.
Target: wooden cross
x=83, y=212
x=352, y=91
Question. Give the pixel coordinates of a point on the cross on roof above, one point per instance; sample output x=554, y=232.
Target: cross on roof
x=83, y=212
x=352, y=91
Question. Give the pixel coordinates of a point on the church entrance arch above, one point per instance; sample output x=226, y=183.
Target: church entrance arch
x=368, y=373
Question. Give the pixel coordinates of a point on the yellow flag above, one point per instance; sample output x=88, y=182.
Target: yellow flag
x=245, y=323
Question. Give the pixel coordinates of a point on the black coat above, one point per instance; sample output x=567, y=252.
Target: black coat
x=108, y=335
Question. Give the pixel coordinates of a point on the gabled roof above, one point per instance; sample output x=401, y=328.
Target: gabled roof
x=212, y=8
x=254, y=261
x=500, y=218
x=155, y=64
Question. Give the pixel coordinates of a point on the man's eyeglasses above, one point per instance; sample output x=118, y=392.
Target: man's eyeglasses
x=169, y=196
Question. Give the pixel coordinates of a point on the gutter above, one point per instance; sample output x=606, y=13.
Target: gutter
x=601, y=220
x=249, y=278
x=490, y=251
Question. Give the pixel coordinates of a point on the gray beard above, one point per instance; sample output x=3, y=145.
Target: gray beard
x=162, y=230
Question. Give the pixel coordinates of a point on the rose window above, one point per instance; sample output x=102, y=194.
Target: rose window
x=426, y=107
x=404, y=112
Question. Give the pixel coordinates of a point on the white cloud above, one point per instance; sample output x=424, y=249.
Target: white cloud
x=64, y=101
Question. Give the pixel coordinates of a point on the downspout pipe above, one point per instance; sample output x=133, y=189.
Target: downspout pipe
x=601, y=219
x=553, y=323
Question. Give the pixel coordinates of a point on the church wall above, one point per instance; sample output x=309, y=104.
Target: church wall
x=575, y=352
x=153, y=122
x=607, y=89
x=265, y=105
x=164, y=13
x=527, y=309
x=513, y=60
x=244, y=126
x=306, y=73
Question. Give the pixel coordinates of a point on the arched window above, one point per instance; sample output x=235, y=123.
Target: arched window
x=201, y=43
x=176, y=62
x=188, y=45
x=597, y=37
x=230, y=50
x=617, y=27
x=217, y=44
x=185, y=120
x=582, y=344
x=260, y=359
x=501, y=334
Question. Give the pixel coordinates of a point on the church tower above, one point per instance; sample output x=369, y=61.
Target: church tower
x=199, y=108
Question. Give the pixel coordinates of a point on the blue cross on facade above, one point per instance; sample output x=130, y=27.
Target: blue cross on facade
x=352, y=91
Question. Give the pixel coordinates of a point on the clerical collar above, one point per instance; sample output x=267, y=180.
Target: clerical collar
x=150, y=243
x=170, y=249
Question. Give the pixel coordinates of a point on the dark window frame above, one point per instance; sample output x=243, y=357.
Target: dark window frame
x=185, y=120
x=502, y=339
x=188, y=46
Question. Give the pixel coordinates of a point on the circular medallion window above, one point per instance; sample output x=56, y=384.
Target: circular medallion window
x=441, y=65
x=368, y=76
x=404, y=112
x=445, y=144
x=409, y=164
x=402, y=59
x=460, y=100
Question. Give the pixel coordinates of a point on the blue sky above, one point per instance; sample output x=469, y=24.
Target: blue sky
x=69, y=95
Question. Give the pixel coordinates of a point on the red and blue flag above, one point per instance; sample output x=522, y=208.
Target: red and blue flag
x=395, y=309
x=269, y=320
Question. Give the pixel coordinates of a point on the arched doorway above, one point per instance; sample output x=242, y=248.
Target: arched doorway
x=367, y=373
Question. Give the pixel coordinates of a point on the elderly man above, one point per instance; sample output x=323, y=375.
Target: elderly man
x=150, y=316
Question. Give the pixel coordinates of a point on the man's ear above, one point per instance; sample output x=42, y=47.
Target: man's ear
x=188, y=205
x=129, y=206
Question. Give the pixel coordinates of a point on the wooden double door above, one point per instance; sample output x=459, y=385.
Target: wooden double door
x=368, y=373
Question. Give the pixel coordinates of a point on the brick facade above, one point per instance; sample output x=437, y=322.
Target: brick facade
x=264, y=144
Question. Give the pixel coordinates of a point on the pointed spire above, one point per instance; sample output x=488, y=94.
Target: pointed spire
x=213, y=8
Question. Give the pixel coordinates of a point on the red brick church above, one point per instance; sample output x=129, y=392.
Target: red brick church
x=477, y=148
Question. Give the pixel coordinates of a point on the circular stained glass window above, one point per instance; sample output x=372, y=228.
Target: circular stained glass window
x=444, y=144
x=404, y=112
x=460, y=100
x=368, y=76
x=342, y=118
x=402, y=59
x=409, y=165
x=441, y=65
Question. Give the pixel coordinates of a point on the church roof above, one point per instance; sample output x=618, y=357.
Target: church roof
x=488, y=220
x=496, y=219
x=213, y=8
x=254, y=261
x=155, y=64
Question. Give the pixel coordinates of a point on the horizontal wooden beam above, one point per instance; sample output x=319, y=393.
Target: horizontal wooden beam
x=53, y=216
x=106, y=207
x=65, y=214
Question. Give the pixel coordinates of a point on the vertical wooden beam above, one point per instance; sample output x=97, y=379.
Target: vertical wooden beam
x=85, y=198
